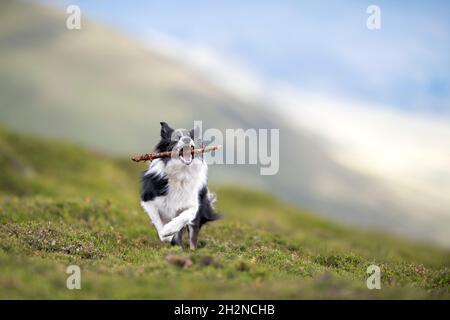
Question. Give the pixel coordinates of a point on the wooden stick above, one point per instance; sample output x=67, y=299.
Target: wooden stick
x=167, y=154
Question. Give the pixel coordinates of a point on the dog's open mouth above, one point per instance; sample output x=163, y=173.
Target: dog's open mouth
x=186, y=154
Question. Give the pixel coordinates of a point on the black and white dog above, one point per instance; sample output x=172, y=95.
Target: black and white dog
x=174, y=190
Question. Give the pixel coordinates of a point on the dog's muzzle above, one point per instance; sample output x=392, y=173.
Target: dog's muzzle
x=186, y=154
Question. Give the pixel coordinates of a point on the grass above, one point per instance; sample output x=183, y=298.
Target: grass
x=62, y=205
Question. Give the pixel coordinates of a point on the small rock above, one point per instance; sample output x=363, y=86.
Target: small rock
x=206, y=261
x=182, y=262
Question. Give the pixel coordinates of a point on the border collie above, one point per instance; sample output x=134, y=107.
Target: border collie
x=174, y=190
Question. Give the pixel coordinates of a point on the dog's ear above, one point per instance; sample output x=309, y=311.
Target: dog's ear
x=166, y=130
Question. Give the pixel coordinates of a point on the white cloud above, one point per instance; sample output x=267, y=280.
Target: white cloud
x=408, y=153
x=227, y=72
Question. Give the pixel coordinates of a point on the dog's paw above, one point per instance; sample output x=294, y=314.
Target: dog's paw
x=166, y=239
x=168, y=230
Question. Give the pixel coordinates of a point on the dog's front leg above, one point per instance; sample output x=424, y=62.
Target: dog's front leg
x=177, y=223
x=152, y=212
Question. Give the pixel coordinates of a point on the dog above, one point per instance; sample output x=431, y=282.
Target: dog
x=174, y=193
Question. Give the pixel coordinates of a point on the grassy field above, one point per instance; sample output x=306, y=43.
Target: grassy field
x=63, y=205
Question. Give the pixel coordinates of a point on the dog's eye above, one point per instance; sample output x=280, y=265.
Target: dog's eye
x=176, y=136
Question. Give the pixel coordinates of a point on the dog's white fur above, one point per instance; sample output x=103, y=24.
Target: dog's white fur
x=173, y=211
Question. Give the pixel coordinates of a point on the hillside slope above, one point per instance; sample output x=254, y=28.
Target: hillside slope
x=62, y=205
x=97, y=87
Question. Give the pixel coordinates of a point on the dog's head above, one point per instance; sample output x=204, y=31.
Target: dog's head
x=180, y=140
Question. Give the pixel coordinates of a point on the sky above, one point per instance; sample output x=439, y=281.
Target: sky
x=321, y=47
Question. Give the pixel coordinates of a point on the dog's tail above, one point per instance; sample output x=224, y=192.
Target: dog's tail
x=206, y=210
x=212, y=197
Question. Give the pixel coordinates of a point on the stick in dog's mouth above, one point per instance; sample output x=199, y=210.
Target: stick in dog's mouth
x=165, y=154
x=186, y=154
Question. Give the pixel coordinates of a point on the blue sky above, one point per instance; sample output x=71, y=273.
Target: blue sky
x=318, y=46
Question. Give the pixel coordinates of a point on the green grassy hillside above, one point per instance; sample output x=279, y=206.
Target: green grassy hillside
x=62, y=205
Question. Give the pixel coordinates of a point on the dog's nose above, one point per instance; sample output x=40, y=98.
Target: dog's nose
x=186, y=140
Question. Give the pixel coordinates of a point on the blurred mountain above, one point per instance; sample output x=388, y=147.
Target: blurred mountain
x=99, y=88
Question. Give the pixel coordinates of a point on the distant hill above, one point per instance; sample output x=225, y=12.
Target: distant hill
x=62, y=205
x=101, y=89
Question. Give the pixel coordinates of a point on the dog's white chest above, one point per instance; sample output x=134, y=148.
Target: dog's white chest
x=184, y=184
